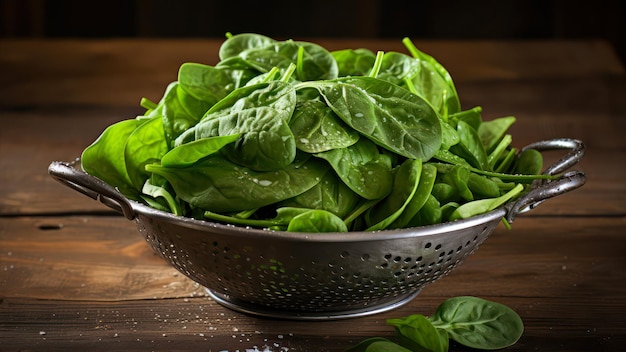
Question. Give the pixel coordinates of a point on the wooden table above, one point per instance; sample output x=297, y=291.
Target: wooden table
x=76, y=275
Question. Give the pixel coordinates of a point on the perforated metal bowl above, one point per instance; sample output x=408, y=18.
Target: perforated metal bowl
x=312, y=276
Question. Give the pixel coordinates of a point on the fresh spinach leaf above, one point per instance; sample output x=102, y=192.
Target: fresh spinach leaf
x=396, y=67
x=449, y=136
x=406, y=180
x=481, y=206
x=491, y=132
x=378, y=344
x=330, y=194
x=218, y=185
x=211, y=84
x=458, y=178
x=529, y=162
x=188, y=154
x=471, y=116
x=429, y=214
x=389, y=115
x=423, y=191
x=105, y=158
x=431, y=75
x=482, y=186
x=145, y=145
x=354, y=62
x=261, y=114
x=362, y=168
x=419, y=329
x=478, y=323
x=317, y=221
x=470, y=147
x=180, y=111
x=160, y=192
x=235, y=44
x=470, y=321
x=316, y=128
x=313, y=61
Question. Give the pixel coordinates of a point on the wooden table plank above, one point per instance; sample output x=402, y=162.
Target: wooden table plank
x=193, y=324
x=93, y=258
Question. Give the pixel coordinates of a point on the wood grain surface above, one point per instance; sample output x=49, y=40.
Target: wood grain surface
x=76, y=275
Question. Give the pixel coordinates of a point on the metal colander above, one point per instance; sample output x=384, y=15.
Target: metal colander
x=312, y=276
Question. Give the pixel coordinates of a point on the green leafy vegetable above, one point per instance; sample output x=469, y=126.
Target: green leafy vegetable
x=219, y=185
x=260, y=113
x=471, y=321
x=406, y=182
x=420, y=330
x=363, y=168
x=190, y=153
x=289, y=136
x=478, y=323
x=316, y=128
x=389, y=115
x=356, y=62
x=105, y=158
x=317, y=221
x=145, y=145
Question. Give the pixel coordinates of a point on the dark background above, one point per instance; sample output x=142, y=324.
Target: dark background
x=282, y=19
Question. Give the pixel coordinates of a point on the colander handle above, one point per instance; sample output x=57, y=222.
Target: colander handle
x=544, y=190
x=90, y=186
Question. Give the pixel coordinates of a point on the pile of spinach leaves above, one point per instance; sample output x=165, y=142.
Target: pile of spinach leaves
x=287, y=135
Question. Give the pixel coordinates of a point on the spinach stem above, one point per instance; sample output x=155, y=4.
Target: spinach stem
x=288, y=73
x=500, y=149
x=239, y=221
x=300, y=63
x=444, y=113
x=147, y=104
x=360, y=210
x=410, y=86
x=515, y=177
x=410, y=47
x=377, y=64
x=271, y=74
